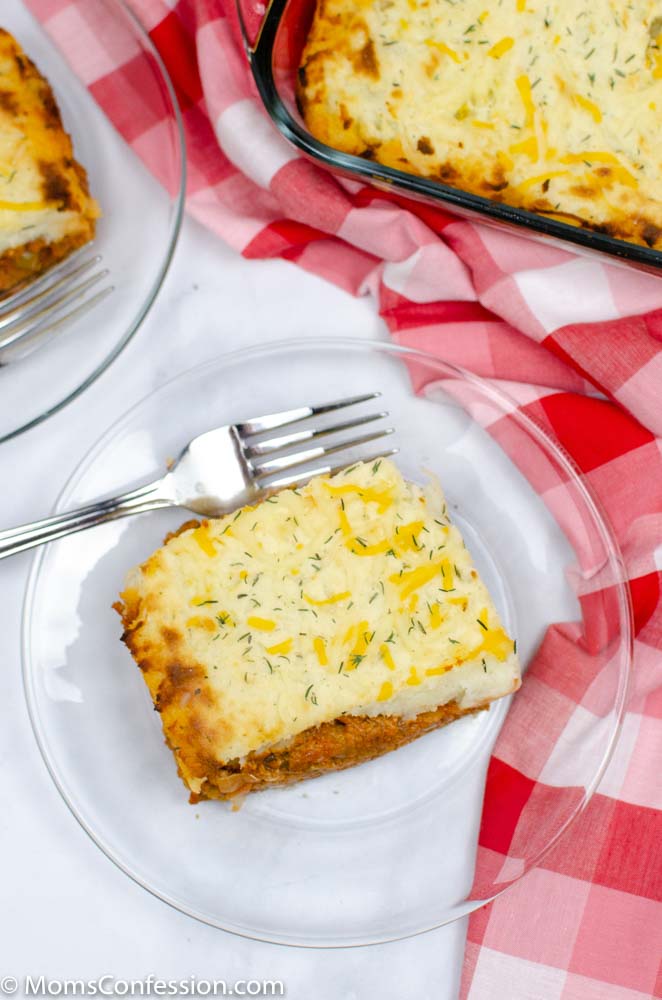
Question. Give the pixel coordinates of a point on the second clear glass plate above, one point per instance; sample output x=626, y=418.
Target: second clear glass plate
x=141, y=216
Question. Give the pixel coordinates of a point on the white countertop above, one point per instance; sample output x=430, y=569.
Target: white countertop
x=67, y=912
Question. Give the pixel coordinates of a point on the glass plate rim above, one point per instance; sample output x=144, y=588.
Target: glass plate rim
x=179, y=203
x=601, y=521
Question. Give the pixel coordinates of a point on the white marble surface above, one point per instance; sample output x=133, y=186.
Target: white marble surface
x=66, y=910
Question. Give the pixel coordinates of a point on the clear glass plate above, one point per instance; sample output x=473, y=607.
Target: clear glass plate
x=384, y=850
x=137, y=233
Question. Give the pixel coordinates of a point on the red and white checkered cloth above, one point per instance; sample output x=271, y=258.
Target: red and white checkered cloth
x=578, y=345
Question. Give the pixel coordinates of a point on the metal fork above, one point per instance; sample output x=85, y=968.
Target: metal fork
x=39, y=309
x=219, y=471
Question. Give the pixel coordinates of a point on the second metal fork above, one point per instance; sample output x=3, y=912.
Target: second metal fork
x=219, y=471
x=42, y=307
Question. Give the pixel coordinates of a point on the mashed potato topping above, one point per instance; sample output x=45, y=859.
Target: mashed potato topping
x=551, y=106
x=353, y=596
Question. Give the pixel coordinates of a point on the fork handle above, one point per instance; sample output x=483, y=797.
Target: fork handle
x=27, y=536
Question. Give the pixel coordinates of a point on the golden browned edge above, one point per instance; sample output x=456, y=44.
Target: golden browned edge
x=191, y=715
x=64, y=180
x=330, y=35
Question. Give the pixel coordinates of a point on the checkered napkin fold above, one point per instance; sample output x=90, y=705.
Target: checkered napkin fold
x=577, y=345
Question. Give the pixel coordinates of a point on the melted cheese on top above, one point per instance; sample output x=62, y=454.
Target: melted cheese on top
x=545, y=104
x=354, y=595
x=43, y=192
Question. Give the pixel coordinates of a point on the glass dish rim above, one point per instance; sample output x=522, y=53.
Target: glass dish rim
x=178, y=204
x=600, y=520
x=259, y=54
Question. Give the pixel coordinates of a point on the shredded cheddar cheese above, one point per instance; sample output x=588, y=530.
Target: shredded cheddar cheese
x=319, y=645
x=204, y=540
x=333, y=599
x=261, y=624
x=436, y=617
x=281, y=648
x=386, y=656
x=385, y=691
x=500, y=48
x=443, y=48
x=590, y=106
x=498, y=105
x=528, y=147
x=201, y=621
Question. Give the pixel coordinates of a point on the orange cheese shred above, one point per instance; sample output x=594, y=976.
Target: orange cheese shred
x=385, y=691
x=386, y=656
x=501, y=48
x=334, y=599
x=320, y=651
x=280, y=648
x=444, y=49
x=523, y=85
x=261, y=624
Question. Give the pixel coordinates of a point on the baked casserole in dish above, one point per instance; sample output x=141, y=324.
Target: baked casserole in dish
x=529, y=113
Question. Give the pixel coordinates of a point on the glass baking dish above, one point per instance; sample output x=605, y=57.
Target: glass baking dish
x=274, y=43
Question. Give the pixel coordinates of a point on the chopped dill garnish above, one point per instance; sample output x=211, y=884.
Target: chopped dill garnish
x=310, y=697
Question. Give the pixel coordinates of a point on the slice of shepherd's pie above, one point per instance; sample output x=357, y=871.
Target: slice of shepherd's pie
x=319, y=629
x=46, y=211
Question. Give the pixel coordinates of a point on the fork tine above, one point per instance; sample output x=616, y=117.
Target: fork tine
x=28, y=288
x=324, y=470
x=28, y=339
x=48, y=290
x=261, y=469
x=270, y=421
x=287, y=440
x=29, y=319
